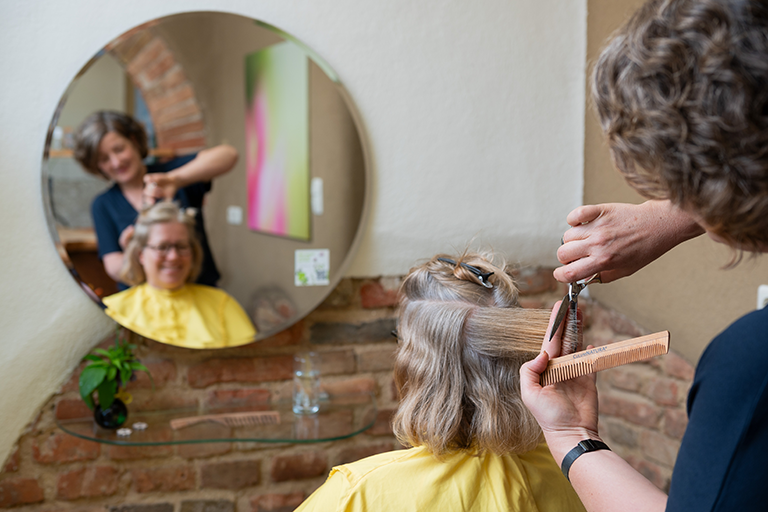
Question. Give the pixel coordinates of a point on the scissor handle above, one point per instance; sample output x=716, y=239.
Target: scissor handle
x=594, y=279
x=574, y=289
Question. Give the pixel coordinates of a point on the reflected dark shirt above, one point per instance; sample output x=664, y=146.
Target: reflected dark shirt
x=112, y=213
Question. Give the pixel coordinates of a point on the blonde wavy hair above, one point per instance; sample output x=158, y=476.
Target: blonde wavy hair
x=132, y=272
x=461, y=346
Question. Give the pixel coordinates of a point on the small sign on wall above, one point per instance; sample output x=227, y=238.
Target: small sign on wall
x=312, y=267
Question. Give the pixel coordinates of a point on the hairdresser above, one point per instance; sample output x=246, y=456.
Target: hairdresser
x=682, y=95
x=113, y=145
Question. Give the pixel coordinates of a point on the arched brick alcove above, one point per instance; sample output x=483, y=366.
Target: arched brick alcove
x=169, y=94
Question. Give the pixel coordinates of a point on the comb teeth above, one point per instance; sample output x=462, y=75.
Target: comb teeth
x=602, y=358
x=234, y=419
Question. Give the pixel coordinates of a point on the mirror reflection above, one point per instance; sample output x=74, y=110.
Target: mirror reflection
x=112, y=145
x=161, y=263
x=161, y=113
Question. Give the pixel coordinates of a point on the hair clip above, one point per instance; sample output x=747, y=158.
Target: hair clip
x=482, y=276
x=189, y=211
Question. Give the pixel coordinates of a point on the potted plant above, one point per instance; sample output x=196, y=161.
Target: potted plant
x=107, y=374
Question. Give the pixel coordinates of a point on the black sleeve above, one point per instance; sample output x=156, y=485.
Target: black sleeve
x=721, y=464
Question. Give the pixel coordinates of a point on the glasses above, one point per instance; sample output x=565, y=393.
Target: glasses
x=165, y=249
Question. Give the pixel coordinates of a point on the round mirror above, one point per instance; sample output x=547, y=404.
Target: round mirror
x=284, y=222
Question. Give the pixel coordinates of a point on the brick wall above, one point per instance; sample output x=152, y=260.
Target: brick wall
x=642, y=414
x=169, y=94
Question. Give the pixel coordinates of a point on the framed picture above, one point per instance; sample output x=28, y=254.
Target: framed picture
x=277, y=141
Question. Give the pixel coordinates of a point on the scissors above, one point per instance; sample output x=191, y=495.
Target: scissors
x=570, y=301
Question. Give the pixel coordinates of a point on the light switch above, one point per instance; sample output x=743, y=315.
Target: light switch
x=234, y=215
x=316, y=194
x=762, y=296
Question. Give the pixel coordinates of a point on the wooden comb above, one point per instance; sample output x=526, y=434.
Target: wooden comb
x=232, y=419
x=608, y=356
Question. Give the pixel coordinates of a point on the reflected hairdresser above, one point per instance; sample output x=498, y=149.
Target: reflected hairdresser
x=113, y=145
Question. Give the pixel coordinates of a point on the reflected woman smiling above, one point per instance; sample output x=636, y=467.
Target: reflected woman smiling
x=161, y=262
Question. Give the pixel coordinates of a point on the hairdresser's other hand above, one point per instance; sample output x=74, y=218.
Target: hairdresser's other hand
x=159, y=186
x=567, y=411
x=618, y=239
x=125, y=237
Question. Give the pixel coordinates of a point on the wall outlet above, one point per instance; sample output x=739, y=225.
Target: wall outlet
x=762, y=296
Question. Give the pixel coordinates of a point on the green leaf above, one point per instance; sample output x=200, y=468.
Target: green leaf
x=137, y=366
x=91, y=357
x=98, y=364
x=88, y=399
x=111, y=373
x=102, y=352
x=90, y=379
x=106, y=392
x=125, y=375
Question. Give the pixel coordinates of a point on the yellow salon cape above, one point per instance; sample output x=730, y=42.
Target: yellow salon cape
x=413, y=480
x=194, y=316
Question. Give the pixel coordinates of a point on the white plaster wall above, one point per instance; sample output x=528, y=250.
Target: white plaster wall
x=474, y=111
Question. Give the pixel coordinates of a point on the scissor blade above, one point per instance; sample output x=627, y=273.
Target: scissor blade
x=560, y=316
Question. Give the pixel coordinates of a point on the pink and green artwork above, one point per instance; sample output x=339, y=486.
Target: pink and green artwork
x=277, y=141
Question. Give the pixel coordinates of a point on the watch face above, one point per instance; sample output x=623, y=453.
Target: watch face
x=590, y=445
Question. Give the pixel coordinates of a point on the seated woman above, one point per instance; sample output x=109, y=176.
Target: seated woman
x=162, y=261
x=462, y=339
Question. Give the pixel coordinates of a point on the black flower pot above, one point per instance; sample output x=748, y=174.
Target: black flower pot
x=113, y=416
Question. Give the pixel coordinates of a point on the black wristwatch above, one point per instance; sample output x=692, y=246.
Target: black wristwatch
x=585, y=446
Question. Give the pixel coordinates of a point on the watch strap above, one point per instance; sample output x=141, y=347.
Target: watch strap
x=585, y=446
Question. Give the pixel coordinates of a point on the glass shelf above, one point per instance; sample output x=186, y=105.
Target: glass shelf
x=340, y=417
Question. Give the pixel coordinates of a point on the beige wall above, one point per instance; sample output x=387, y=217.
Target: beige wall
x=685, y=291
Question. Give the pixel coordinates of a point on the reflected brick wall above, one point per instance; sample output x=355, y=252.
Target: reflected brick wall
x=170, y=97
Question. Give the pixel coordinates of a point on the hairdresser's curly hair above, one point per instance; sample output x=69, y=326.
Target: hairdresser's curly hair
x=681, y=91
x=90, y=132
x=460, y=349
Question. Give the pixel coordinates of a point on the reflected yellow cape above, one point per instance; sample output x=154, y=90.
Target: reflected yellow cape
x=194, y=316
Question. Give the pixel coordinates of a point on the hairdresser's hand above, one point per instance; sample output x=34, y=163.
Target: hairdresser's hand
x=125, y=237
x=618, y=239
x=159, y=186
x=567, y=411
